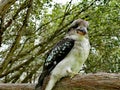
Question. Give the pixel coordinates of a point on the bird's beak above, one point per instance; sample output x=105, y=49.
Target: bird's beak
x=82, y=31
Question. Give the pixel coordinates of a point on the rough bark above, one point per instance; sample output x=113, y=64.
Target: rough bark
x=99, y=81
x=17, y=86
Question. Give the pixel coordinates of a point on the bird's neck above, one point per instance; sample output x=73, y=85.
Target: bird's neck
x=77, y=37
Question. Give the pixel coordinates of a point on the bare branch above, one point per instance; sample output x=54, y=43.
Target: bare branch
x=99, y=81
x=4, y=6
x=23, y=6
x=17, y=39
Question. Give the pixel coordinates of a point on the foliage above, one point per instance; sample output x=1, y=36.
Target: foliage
x=31, y=27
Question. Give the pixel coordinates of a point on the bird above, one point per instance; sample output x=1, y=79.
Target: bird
x=67, y=57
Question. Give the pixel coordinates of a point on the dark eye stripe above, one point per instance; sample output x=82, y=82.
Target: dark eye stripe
x=88, y=29
x=75, y=26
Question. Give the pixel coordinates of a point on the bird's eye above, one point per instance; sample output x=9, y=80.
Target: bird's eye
x=88, y=29
x=73, y=26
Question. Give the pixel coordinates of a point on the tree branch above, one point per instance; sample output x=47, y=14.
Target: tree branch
x=4, y=6
x=98, y=81
x=17, y=39
x=22, y=7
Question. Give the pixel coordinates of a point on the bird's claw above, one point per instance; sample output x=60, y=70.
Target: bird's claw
x=71, y=74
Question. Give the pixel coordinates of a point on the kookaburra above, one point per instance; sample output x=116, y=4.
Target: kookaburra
x=67, y=56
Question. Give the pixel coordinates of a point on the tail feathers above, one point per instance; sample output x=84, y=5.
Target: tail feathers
x=40, y=82
x=51, y=83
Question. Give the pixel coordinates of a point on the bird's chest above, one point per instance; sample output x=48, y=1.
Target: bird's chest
x=80, y=51
x=74, y=60
x=78, y=55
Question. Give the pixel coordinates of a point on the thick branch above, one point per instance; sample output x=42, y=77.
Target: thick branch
x=99, y=81
x=17, y=86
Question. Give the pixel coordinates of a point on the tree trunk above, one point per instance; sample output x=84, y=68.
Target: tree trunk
x=99, y=81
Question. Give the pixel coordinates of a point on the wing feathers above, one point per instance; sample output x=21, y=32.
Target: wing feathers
x=57, y=53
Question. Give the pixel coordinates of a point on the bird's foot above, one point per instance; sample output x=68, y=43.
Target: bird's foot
x=71, y=73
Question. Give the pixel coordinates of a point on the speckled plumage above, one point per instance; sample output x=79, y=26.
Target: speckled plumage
x=59, y=51
x=67, y=56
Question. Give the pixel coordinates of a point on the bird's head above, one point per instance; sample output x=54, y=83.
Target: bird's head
x=78, y=28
